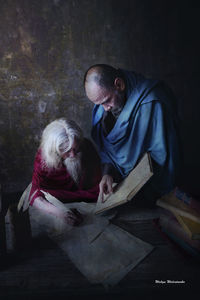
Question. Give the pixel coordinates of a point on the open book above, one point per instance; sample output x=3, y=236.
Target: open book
x=127, y=189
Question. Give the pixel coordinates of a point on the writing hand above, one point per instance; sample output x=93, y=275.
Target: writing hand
x=73, y=217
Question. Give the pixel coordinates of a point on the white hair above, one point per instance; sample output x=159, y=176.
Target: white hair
x=57, y=138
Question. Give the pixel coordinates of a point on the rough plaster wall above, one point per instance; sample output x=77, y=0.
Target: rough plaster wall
x=46, y=46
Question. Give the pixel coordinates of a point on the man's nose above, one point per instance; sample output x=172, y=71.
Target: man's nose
x=72, y=153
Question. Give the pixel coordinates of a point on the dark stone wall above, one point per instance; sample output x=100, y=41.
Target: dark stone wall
x=45, y=47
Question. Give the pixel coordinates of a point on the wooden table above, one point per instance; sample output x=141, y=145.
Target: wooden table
x=40, y=270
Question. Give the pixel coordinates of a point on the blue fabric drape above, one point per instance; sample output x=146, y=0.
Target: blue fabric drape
x=147, y=123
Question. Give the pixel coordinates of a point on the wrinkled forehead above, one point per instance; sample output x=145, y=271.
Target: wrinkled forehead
x=95, y=93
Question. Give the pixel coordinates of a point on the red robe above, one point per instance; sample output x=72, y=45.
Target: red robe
x=59, y=183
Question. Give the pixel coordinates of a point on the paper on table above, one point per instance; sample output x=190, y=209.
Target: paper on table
x=94, y=225
x=109, y=258
x=103, y=253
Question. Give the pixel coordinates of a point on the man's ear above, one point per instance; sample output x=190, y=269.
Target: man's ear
x=119, y=84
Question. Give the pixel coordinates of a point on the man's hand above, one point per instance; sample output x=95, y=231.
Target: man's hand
x=105, y=186
x=73, y=217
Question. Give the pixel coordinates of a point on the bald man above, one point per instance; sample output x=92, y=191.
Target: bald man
x=133, y=115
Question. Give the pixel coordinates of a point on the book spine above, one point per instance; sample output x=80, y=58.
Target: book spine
x=178, y=211
x=170, y=224
x=192, y=235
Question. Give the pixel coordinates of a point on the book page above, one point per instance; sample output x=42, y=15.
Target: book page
x=128, y=188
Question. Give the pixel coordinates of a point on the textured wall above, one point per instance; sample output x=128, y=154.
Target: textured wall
x=46, y=46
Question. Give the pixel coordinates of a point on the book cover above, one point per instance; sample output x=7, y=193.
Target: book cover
x=191, y=228
x=127, y=189
x=173, y=204
x=187, y=199
x=169, y=222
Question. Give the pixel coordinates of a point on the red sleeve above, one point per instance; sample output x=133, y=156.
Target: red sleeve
x=89, y=195
x=37, y=178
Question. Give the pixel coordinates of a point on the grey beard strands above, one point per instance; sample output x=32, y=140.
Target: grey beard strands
x=74, y=168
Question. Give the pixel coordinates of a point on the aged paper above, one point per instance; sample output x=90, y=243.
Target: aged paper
x=128, y=188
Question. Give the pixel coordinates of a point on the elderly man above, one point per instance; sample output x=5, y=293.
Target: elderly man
x=133, y=115
x=68, y=167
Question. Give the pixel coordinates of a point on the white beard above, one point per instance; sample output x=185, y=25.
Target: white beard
x=74, y=167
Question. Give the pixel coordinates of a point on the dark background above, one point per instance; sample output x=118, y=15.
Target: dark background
x=46, y=46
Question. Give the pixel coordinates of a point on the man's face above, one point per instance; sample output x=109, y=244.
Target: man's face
x=72, y=152
x=111, y=99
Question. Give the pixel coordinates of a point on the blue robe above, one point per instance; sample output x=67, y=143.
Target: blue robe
x=147, y=123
